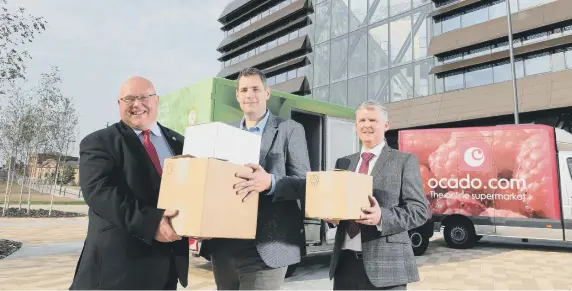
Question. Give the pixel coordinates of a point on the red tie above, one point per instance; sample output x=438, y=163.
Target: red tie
x=152, y=151
x=353, y=227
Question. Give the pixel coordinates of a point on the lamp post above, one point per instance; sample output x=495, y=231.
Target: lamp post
x=512, y=66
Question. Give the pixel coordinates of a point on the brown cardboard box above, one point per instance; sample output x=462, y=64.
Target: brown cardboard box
x=337, y=194
x=202, y=190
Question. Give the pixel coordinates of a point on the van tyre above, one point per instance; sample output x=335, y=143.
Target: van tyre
x=460, y=234
x=419, y=242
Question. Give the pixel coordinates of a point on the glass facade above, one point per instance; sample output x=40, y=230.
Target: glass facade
x=544, y=62
x=489, y=11
x=370, y=49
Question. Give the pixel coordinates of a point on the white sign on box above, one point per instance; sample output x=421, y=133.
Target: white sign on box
x=222, y=141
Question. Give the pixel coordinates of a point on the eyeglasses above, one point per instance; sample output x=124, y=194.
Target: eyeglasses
x=132, y=99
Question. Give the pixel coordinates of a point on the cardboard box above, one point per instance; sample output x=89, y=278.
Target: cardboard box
x=337, y=194
x=202, y=190
x=222, y=141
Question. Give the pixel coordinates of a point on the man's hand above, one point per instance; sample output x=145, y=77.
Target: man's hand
x=258, y=181
x=165, y=232
x=371, y=215
x=332, y=221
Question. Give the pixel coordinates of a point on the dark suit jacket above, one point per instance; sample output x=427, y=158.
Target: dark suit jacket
x=387, y=255
x=121, y=187
x=280, y=238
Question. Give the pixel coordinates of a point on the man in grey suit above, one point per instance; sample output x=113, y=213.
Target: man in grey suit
x=374, y=252
x=279, y=180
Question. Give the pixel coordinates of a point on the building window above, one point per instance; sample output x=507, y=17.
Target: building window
x=357, y=60
x=322, y=26
x=339, y=93
x=380, y=12
x=479, y=77
x=537, y=64
x=399, y=6
x=454, y=82
x=378, y=48
x=339, y=18
x=357, y=91
x=358, y=12
x=423, y=81
x=378, y=87
x=339, y=64
x=400, y=43
x=401, y=83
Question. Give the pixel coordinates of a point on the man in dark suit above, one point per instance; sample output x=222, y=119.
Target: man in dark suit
x=130, y=243
x=279, y=180
x=374, y=252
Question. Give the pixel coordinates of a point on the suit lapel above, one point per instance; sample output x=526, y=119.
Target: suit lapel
x=268, y=137
x=176, y=145
x=385, y=153
x=354, y=159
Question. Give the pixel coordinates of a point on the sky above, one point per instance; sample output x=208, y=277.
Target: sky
x=97, y=44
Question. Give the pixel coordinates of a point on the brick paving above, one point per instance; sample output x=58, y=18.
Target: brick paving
x=51, y=248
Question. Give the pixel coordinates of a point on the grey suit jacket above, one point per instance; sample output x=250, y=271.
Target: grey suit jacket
x=387, y=255
x=280, y=238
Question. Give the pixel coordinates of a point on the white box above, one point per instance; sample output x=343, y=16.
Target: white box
x=222, y=141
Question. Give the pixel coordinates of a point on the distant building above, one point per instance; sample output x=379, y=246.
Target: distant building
x=433, y=63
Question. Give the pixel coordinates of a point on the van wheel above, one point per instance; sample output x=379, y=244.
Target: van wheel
x=291, y=270
x=419, y=242
x=460, y=234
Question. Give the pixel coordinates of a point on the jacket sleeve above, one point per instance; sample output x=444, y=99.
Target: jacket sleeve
x=104, y=194
x=292, y=186
x=413, y=209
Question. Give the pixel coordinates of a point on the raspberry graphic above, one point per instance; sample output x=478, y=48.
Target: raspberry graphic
x=444, y=162
x=491, y=212
x=425, y=176
x=506, y=146
x=513, y=205
x=533, y=169
x=422, y=144
x=455, y=203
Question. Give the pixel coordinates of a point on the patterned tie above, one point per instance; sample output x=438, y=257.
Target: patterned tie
x=152, y=151
x=353, y=227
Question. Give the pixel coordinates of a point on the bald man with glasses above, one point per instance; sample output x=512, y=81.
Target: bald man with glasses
x=130, y=243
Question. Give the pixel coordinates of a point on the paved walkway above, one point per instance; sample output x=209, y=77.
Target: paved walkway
x=51, y=248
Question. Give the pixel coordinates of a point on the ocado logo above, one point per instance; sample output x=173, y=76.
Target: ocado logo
x=474, y=157
x=192, y=117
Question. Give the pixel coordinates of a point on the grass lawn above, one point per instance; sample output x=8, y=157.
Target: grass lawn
x=36, y=197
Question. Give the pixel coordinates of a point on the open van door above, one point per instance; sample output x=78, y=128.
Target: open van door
x=341, y=139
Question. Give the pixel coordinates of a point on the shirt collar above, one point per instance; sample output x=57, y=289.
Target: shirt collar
x=260, y=126
x=375, y=150
x=155, y=130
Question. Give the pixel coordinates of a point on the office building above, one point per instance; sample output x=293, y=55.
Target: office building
x=432, y=63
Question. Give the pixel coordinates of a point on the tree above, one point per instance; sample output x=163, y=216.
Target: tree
x=67, y=175
x=16, y=28
x=16, y=130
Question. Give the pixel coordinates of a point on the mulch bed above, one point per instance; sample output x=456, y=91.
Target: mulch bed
x=8, y=247
x=39, y=213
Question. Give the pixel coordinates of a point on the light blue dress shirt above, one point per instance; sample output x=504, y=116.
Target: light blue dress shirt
x=159, y=142
x=259, y=129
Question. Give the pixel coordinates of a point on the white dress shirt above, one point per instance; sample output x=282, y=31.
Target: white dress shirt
x=354, y=244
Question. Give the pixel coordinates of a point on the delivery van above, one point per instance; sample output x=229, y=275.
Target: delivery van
x=506, y=181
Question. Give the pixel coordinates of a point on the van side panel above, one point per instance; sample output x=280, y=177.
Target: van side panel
x=504, y=178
